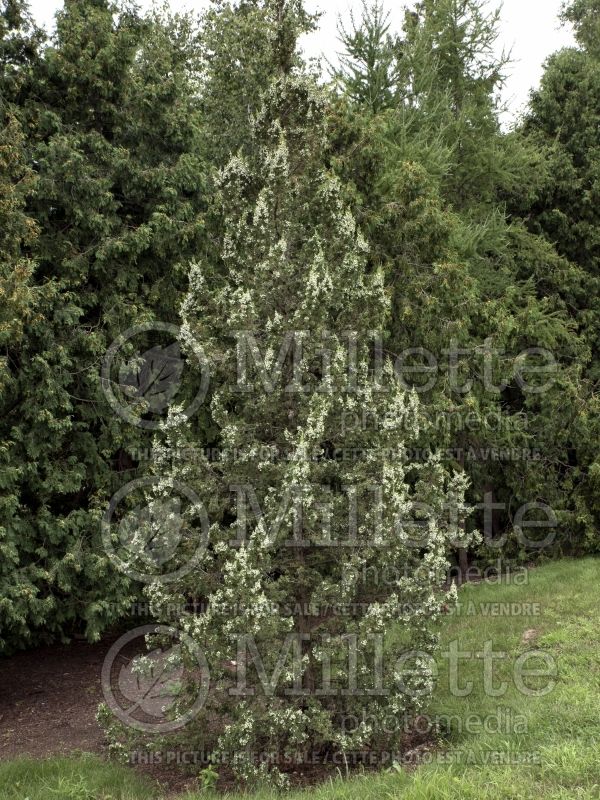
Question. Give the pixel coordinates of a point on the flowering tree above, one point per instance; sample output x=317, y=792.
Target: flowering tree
x=313, y=645
x=314, y=494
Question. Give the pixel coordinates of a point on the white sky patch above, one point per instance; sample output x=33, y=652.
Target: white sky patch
x=530, y=30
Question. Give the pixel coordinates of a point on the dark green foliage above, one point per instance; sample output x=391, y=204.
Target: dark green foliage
x=564, y=122
x=111, y=136
x=18, y=51
x=432, y=175
x=565, y=119
x=120, y=186
x=17, y=231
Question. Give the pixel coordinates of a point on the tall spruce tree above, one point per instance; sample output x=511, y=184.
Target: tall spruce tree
x=284, y=548
x=369, y=60
x=431, y=179
x=453, y=76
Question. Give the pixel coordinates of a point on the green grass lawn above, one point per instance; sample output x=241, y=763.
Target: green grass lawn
x=560, y=732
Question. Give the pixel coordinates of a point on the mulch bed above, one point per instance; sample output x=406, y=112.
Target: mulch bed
x=48, y=705
x=49, y=700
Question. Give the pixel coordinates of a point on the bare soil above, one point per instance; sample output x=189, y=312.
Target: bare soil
x=48, y=704
x=48, y=701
